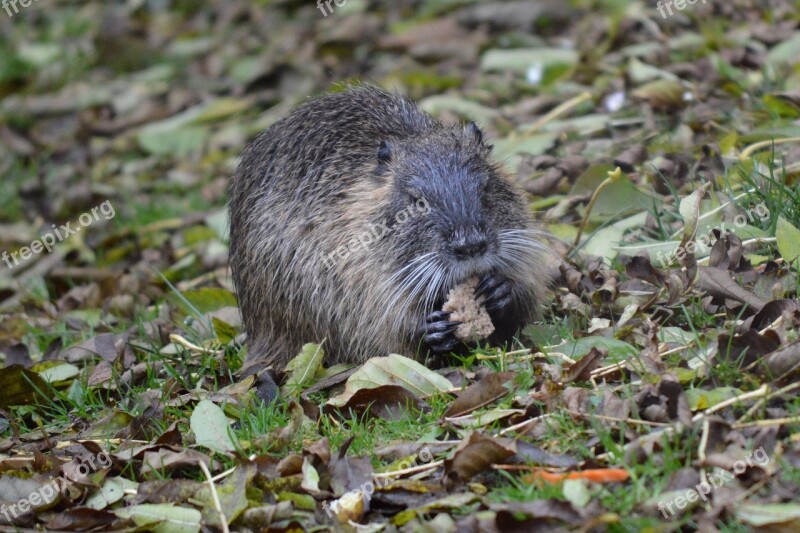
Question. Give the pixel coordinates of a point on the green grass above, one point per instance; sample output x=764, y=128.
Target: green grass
x=772, y=190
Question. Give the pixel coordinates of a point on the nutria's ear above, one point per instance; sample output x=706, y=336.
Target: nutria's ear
x=384, y=152
x=477, y=134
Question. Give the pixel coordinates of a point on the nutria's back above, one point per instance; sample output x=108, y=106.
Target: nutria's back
x=354, y=215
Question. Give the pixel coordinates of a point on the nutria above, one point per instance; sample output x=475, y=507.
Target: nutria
x=355, y=215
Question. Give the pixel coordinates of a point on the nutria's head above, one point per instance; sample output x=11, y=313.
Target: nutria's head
x=464, y=217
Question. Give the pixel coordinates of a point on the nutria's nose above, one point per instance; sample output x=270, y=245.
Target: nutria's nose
x=472, y=246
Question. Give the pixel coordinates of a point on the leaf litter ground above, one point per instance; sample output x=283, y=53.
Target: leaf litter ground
x=659, y=391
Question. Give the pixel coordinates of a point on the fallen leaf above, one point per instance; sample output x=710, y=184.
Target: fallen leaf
x=212, y=428
x=393, y=370
x=479, y=394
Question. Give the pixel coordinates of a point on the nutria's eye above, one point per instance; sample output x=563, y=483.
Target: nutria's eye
x=384, y=152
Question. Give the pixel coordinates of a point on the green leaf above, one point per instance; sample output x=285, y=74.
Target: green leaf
x=204, y=300
x=393, y=370
x=784, y=53
x=19, y=386
x=219, y=223
x=232, y=495
x=178, y=135
x=162, y=518
x=662, y=94
x=58, y=372
x=604, y=242
x=225, y=332
x=436, y=105
x=112, y=491
x=788, y=239
x=40, y=54
x=178, y=142
x=532, y=145
x=690, y=211
x=700, y=399
x=212, y=428
x=782, y=105
x=576, y=491
x=305, y=502
x=310, y=482
x=222, y=109
x=618, y=197
x=766, y=514
x=519, y=60
x=617, y=350
x=303, y=368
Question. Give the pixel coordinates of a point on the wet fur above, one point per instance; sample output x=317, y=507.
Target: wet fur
x=314, y=181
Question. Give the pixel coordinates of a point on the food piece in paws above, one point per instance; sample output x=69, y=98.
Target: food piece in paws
x=476, y=324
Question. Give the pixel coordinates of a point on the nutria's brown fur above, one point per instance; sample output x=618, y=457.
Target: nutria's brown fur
x=338, y=172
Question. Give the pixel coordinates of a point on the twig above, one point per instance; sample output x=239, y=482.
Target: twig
x=599, y=372
x=527, y=357
x=701, y=447
x=704, y=261
x=215, y=497
x=762, y=401
x=622, y=365
x=750, y=150
x=515, y=427
x=558, y=111
x=223, y=475
x=174, y=337
x=612, y=177
x=518, y=352
x=679, y=428
x=758, y=393
x=615, y=419
x=410, y=470
x=768, y=423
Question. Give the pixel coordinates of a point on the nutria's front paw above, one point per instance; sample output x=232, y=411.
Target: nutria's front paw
x=496, y=293
x=439, y=333
x=266, y=388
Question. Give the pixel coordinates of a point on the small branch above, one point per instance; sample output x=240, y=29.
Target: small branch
x=613, y=176
x=215, y=497
x=758, y=393
x=768, y=423
x=174, y=337
x=410, y=470
x=223, y=475
x=615, y=419
x=762, y=401
x=558, y=111
x=753, y=148
x=528, y=422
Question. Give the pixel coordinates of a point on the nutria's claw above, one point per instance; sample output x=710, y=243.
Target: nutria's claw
x=445, y=347
x=495, y=289
x=436, y=316
x=439, y=332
